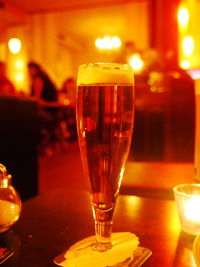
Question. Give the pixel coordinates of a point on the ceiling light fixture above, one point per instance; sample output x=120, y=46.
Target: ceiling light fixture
x=108, y=43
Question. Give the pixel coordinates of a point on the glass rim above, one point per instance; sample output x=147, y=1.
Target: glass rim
x=177, y=192
x=105, y=73
x=106, y=64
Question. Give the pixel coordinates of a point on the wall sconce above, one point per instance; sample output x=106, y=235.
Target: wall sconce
x=108, y=43
x=188, y=45
x=183, y=17
x=14, y=45
x=19, y=76
x=19, y=64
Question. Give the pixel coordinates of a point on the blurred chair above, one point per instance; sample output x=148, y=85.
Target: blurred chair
x=164, y=123
x=182, y=118
x=152, y=123
x=18, y=143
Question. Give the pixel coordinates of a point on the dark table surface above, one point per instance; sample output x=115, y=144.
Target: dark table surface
x=156, y=179
x=52, y=222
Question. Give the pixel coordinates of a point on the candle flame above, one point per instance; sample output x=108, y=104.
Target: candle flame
x=192, y=211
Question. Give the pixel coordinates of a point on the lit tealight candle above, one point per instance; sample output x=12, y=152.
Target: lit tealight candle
x=192, y=211
x=187, y=198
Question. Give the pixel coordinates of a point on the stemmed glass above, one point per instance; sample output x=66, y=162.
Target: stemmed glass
x=105, y=112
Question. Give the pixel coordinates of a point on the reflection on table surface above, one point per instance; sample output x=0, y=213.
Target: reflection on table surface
x=155, y=179
x=52, y=222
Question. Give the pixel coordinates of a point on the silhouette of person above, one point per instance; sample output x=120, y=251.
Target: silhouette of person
x=6, y=86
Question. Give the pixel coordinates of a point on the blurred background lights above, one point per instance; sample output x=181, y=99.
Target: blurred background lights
x=99, y=43
x=183, y=16
x=19, y=64
x=188, y=45
x=136, y=62
x=14, y=45
x=116, y=42
x=185, y=64
x=194, y=73
x=19, y=77
x=108, y=43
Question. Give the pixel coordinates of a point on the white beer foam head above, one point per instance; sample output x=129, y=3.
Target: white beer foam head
x=105, y=73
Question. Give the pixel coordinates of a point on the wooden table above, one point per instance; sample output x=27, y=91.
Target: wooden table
x=155, y=179
x=52, y=222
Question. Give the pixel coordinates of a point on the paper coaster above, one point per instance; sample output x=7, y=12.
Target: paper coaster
x=125, y=252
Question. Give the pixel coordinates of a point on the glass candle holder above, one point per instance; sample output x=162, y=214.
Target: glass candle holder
x=187, y=197
x=10, y=202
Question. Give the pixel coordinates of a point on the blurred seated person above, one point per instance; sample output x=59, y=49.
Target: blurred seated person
x=68, y=96
x=6, y=86
x=44, y=91
x=42, y=88
x=68, y=91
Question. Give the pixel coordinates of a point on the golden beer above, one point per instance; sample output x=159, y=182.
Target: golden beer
x=105, y=113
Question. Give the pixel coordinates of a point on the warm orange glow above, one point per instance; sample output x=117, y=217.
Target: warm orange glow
x=185, y=64
x=108, y=42
x=19, y=76
x=19, y=64
x=183, y=16
x=136, y=62
x=188, y=39
x=196, y=249
x=188, y=45
x=14, y=45
x=116, y=42
x=191, y=209
x=99, y=43
x=194, y=73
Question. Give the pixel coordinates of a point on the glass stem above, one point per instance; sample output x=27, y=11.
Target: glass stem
x=103, y=232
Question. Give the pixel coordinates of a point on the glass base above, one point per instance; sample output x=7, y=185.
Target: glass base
x=101, y=247
x=85, y=253
x=103, y=232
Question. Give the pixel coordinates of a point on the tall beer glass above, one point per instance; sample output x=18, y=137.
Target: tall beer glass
x=197, y=132
x=105, y=122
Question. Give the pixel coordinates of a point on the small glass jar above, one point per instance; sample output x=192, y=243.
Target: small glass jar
x=10, y=202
